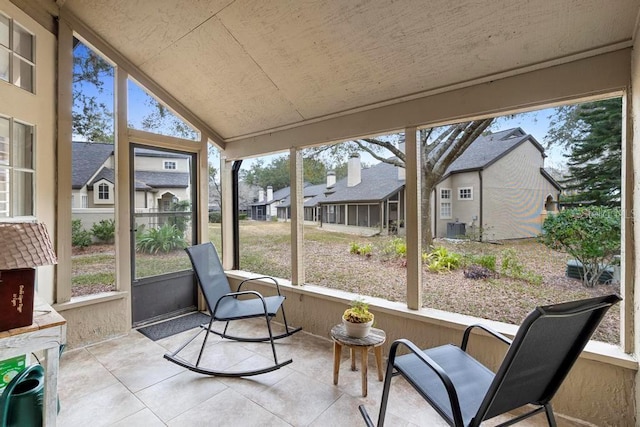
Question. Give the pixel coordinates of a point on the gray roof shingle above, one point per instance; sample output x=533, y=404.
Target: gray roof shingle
x=87, y=159
x=377, y=183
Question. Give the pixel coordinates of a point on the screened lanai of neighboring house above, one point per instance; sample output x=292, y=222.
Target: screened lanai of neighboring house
x=256, y=78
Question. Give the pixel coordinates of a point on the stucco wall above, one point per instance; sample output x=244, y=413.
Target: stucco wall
x=144, y=163
x=91, y=321
x=514, y=194
x=595, y=391
x=38, y=109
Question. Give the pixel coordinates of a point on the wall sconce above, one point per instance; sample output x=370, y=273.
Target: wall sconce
x=25, y=245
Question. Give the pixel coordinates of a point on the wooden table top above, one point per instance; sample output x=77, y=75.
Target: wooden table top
x=375, y=338
x=44, y=316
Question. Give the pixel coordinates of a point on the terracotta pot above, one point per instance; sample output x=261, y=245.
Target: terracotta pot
x=357, y=330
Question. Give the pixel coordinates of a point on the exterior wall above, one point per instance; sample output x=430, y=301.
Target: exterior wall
x=464, y=211
x=38, y=109
x=144, y=163
x=631, y=182
x=514, y=195
x=597, y=390
x=91, y=216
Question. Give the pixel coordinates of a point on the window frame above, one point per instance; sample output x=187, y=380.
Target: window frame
x=445, y=200
x=15, y=58
x=465, y=189
x=13, y=171
x=169, y=165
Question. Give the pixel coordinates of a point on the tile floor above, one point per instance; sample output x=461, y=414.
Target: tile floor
x=126, y=382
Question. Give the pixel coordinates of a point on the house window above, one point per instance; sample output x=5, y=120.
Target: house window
x=16, y=169
x=465, y=193
x=16, y=54
x=103, y=192
x=85, y=201
x=445, y=203
x=170, y=165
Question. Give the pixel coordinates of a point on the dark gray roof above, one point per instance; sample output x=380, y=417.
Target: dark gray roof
x=488, y=149
x=377, y=183
x=105, y=173
x=87, y=159
x=309, y=191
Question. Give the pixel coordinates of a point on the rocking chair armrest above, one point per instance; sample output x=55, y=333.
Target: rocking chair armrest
x=495, y=334
x=236, y=294
x=260, y=278
x=437, y=369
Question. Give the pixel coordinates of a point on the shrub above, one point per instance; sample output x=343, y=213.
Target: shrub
x=104, y=230
x=357, y=249
x=396, y=248
x=80, y=237
x=440, y=260
x=486, y=261
x=590, y=234
x=180, y=221
x=512, y=267
x=164, y=239
x=215, y=217
x=242, y=217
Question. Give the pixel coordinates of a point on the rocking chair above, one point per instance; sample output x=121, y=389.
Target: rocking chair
x=465, y=393
x=225, y=306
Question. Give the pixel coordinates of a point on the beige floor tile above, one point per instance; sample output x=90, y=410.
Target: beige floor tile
x=121, y=351
x=143, y=418
x=345, y=412
x=227, y=408
x=149, y=369
x=314, y=398
x=80, y=375
x=178, y=394
x=254, y=385
x=102, y=408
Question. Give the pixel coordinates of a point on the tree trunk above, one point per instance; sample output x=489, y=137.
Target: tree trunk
x=429, y=183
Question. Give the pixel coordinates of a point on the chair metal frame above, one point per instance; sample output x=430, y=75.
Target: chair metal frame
x=509, y=388
x=225, y=306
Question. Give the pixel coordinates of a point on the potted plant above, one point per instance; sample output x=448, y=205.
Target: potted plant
x=357, y=319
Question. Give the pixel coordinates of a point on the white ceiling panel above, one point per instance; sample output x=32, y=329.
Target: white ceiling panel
x=251, y=66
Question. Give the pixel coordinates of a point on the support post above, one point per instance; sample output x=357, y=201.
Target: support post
x=297, y=216
x=413, y=165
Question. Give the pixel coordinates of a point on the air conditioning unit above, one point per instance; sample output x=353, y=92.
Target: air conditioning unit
x=455, y=230
x=575, y=270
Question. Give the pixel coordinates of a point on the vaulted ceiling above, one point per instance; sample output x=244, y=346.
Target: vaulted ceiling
x=248, y=67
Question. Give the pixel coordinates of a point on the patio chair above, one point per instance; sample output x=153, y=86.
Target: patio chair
x=465, y=393
x=225, y=306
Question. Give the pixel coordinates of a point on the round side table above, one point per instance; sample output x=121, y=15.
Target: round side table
x=374, y=340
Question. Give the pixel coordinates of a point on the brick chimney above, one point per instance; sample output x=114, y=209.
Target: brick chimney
x=269, y=193
x=260, y=195
x=331, y=178
x=354, y=170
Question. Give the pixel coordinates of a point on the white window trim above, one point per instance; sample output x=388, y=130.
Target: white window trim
x=445, y=189
x=167, y=163
x=13, y=54
x=460, y=189
x=450, y=210
x=13, y=170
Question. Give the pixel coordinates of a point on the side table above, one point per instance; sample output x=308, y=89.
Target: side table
x=374, y=340
x=47, y=333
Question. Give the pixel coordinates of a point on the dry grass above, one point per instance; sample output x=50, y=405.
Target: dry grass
x=265, y=249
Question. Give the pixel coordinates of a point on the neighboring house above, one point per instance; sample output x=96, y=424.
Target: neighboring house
x=161, y=179
x=309, y=192
x=497, y=189
x=266, y=207
x=366, y=201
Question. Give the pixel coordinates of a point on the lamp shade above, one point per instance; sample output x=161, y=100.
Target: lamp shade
x=25, y=245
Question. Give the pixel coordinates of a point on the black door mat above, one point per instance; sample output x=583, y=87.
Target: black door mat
x=174, y=326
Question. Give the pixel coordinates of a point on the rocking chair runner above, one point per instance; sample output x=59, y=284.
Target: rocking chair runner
x=466, y=393
x=225, y=306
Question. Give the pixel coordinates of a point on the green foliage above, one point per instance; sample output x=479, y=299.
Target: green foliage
x=180, y=221
x=591, y=235
x=593, y=133
x=91, y=118
x=164, y=239
x=486, y=261
x=80, y=237
x=358, y=249
x=216, y=217
x=397, y=248
x=440, y=260
x=511, y=266
x=104, y=230
x=242, y=217
x=358, y=312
